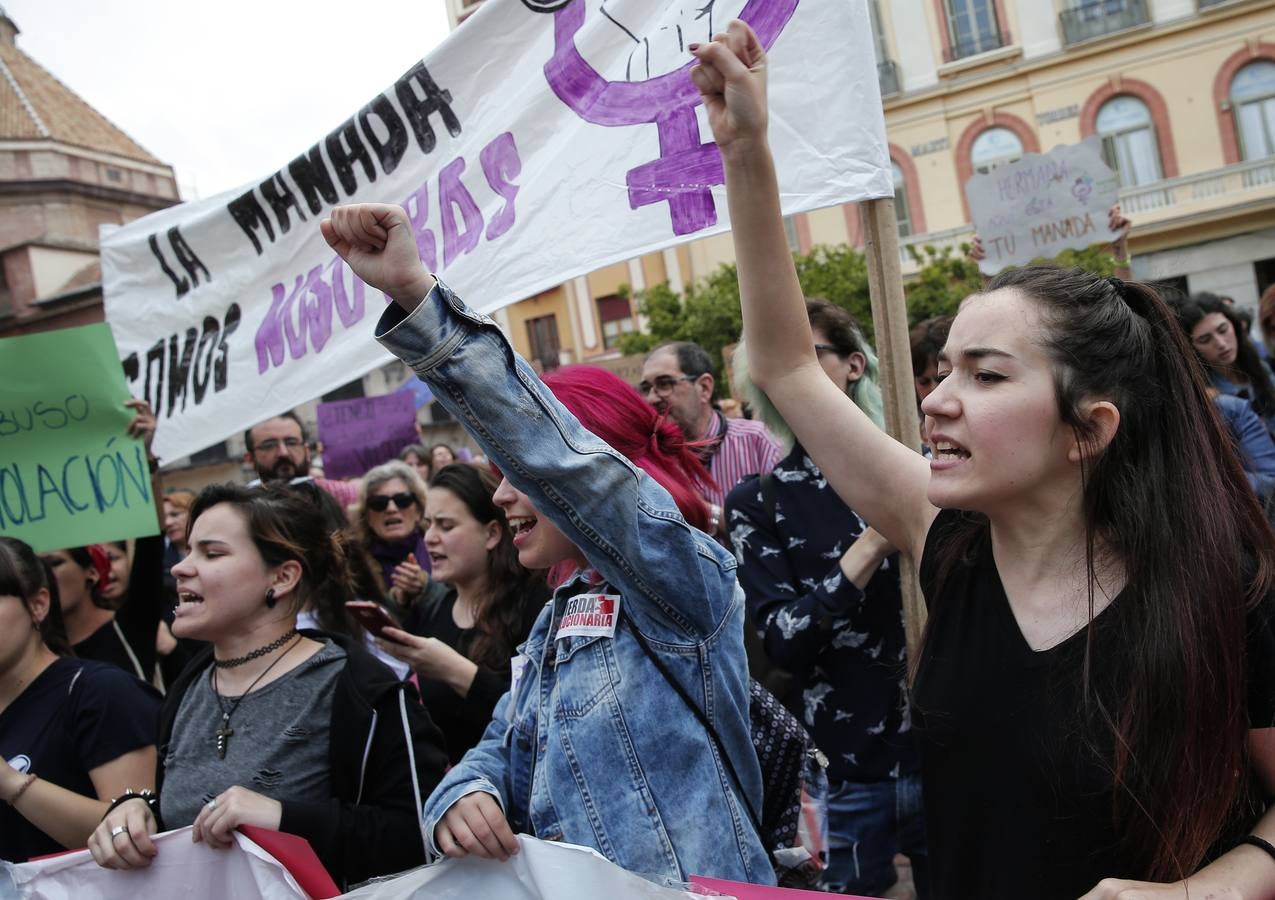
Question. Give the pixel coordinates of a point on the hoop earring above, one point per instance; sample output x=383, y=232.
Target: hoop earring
x=270, y=599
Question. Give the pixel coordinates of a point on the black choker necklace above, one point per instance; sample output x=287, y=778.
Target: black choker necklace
x=255, y=654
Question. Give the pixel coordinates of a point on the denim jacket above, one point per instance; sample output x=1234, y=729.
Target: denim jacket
x=592, y=746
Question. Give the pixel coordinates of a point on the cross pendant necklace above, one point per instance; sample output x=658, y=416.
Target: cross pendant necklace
x=223, y=735
x=224, y=731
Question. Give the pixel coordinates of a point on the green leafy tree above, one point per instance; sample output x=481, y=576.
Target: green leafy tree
x=708, y=312
x=946, y=277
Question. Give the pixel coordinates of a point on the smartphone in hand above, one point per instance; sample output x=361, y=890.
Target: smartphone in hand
x=373, y=616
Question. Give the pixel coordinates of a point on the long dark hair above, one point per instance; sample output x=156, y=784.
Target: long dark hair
x=22, y=574
x=1197, y=553
x=329, y=598
x=1192, y=310
x=284, y=526
x=513, y=592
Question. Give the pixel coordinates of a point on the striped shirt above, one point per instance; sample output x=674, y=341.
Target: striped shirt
x=747, y=448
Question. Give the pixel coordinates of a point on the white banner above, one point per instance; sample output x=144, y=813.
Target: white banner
x=542, y=140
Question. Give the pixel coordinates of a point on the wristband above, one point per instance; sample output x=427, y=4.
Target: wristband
x=1260, y=843
x=17, y=795
x=150, y=797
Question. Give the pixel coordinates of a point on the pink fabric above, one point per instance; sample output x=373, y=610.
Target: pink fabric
x=742, y=891
x=344, y=492
x=747, y=449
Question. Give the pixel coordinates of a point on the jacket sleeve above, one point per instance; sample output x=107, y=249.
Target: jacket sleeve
x=677, y=583
x=795, y=620
x=1257, y=450
x=378, y=832
x=484, y=768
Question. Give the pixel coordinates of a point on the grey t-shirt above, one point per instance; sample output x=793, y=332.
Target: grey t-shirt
x=279, y=747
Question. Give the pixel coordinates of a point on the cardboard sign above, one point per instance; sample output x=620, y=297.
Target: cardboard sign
x=365, y=432
x=69, y=473
x=541, y=141
x=1042, y=205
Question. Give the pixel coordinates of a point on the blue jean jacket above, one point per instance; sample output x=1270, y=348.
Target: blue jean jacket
x=592, y=746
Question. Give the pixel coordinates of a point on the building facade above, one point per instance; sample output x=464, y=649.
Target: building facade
x=64, y=170
x=1181, y=93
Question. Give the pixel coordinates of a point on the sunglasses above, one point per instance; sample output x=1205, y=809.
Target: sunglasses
x=381, y=502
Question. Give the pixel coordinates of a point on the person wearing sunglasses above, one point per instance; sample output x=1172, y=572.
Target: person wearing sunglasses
x=387, y=521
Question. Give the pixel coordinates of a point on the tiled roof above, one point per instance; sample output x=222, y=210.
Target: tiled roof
x=35, y=105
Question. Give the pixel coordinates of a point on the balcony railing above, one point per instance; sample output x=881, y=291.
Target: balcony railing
x=974, y=44
x=1201, y=187
x=1087, y=21
x=888, y=76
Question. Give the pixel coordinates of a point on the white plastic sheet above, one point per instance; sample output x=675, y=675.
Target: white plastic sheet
x=182, y=869
x=540, y=871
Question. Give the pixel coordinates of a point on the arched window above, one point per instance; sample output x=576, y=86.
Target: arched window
x=1253, y=102
x=1129, y=141
x=995, y=147
x=901, y=211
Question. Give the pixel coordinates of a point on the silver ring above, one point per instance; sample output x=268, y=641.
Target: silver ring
x=118, y=830
x=212, y=804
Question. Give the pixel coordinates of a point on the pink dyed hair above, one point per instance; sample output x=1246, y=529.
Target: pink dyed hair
x=614, y=411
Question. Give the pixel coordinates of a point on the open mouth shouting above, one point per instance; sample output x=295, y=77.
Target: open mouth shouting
x=521, y=527
x=947, y=453
x=187, y=601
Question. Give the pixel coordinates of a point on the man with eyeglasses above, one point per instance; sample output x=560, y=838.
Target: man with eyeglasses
x=278, y=451
x=677, y=379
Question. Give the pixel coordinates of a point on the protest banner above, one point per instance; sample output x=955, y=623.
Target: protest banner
x=69, y=473
x=544, y=139
x=365, y=432
x=1042, y=205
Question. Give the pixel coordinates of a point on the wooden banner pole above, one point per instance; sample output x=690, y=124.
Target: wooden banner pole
x=880, y=231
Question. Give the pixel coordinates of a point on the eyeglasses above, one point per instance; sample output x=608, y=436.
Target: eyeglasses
x=271, y=445
x=381, y=502
x=826, y=348
x=663, y=386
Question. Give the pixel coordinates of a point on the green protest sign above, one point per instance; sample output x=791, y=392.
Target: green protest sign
x=69, y=473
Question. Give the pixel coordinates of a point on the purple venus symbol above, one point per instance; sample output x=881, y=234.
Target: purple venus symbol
x=687, y=169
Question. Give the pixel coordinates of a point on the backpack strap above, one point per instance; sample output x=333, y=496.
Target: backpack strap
x=699, y=715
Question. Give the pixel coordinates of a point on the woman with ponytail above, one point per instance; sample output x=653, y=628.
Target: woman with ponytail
x=303, y=732
x=1095, y=692
x=593, y=744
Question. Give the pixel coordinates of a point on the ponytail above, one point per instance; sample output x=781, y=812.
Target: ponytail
x=615, y=412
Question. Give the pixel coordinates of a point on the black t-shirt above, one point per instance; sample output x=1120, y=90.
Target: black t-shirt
x=463, y=719
x=75, y=716
x=1018, y=803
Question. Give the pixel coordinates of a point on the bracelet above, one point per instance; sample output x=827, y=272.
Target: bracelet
x=150, y=797
x=1260, y=843
x=17, y=795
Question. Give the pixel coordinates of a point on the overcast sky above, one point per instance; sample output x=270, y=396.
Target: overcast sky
x=227, y=91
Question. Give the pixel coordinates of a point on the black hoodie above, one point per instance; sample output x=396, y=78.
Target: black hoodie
x=371, y=825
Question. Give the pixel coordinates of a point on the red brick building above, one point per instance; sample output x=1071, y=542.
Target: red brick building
x=64, y=170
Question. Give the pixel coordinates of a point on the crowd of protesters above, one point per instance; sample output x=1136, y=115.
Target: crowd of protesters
x=440, y=655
